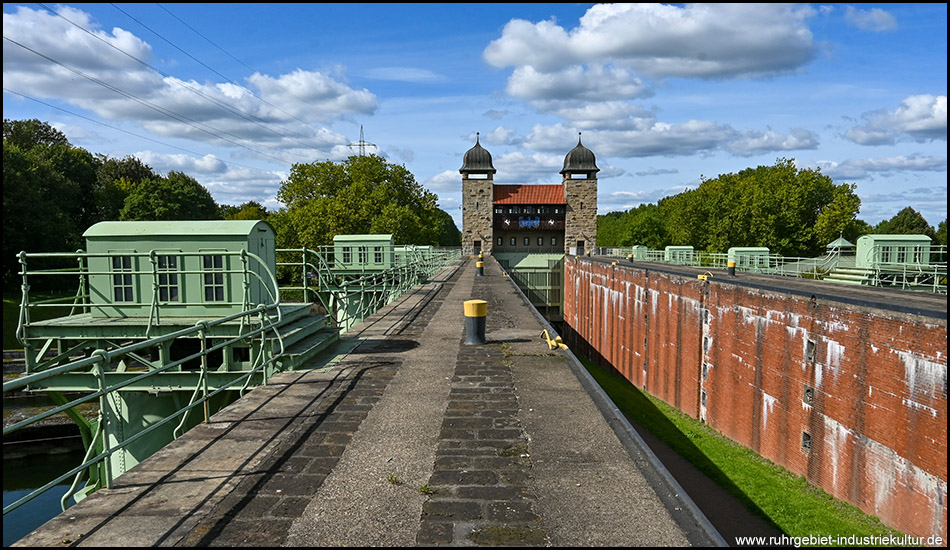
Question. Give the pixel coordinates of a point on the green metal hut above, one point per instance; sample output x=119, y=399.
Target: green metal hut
x=181, y=268
x=681, y=255
x=882, y=251
x=749, y=258
x=363, y=252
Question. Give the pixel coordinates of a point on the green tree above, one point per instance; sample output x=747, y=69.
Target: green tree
x=792, y=212
x=448, y=232
x=363, y=194
x=116, y=179
x=906, y=222
x=27, y=134
x=33, y=220
x=251, y=210
x=941, y=236
x=174, y=197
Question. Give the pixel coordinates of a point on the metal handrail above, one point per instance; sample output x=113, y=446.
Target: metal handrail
x=371, y=289
x=816, y=268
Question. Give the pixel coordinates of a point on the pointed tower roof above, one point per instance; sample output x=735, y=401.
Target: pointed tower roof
x=580, y=159
x=477, y=159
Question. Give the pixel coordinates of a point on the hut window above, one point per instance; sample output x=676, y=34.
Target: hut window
x=168, y=278
x=553, y=241
x=122, y=278
x=378, y=254
x=363, y=255
x=347, y=255
x=214, y=278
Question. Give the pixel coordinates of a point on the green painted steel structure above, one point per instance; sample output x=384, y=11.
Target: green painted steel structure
x=171, y=321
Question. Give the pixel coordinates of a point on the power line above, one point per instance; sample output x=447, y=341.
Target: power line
x=180, y=118
x=178, y=82
x=133, y=134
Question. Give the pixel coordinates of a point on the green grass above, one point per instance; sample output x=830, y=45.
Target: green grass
x=787, y=500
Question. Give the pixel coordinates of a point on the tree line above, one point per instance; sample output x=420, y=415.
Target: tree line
x=793, y=212
x=53, y=191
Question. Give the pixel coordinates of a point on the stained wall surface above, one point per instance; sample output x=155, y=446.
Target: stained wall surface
x=850, y=395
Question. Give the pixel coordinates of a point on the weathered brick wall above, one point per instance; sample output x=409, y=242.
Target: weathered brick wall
x=853, y=398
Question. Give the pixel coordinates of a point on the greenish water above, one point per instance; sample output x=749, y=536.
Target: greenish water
x=22, y=475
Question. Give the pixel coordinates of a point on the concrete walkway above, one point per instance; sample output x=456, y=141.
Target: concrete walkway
x=412, y=439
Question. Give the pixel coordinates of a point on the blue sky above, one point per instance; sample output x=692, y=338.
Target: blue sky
x=663, y=94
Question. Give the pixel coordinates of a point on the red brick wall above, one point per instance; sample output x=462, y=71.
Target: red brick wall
x=868, y=386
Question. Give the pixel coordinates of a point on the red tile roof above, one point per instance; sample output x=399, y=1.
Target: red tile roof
x=529, y=194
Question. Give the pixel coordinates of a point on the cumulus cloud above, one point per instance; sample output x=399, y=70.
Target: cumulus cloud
x=108, y=74
x=597, y=83
x=590, y=75
x=695, y=40
x=920, y=118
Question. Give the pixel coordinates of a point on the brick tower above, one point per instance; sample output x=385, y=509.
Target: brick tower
x=477, y=196
x=580, y=193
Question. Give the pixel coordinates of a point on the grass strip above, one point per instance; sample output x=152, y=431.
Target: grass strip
x=787, y=500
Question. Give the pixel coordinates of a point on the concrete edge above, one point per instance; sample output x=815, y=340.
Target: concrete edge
x=699, y=530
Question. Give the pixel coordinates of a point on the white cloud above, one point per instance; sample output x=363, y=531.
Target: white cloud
x=605, y=115
x=874, y=19
x=919, y=117
x=597, y=83
x=864, y=168
x=754, y=143
x=695, y=40
x=104, y=78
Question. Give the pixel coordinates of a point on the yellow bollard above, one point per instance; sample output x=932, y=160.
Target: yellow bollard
x=479, y=269
x=476, y=312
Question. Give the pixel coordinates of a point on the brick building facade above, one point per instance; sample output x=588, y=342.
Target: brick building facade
x=529, y=218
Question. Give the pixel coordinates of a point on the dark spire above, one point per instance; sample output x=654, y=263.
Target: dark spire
x=580, y=160
x=477, y=159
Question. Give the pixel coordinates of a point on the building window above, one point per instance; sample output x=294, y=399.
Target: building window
x=553, y=241
x=347, y=255
x=167, y=278
x=122, y=278
x=514, y=241
x=540, y=241
x=378, y=254
x=885, y=254
x=213, y=278
x=500, y=240
x=362, y=255
x=527, y=241
x=901, y=254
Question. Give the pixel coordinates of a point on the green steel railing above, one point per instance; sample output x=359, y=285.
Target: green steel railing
x=352, y=293
x=928, y=273
x=349, y=294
